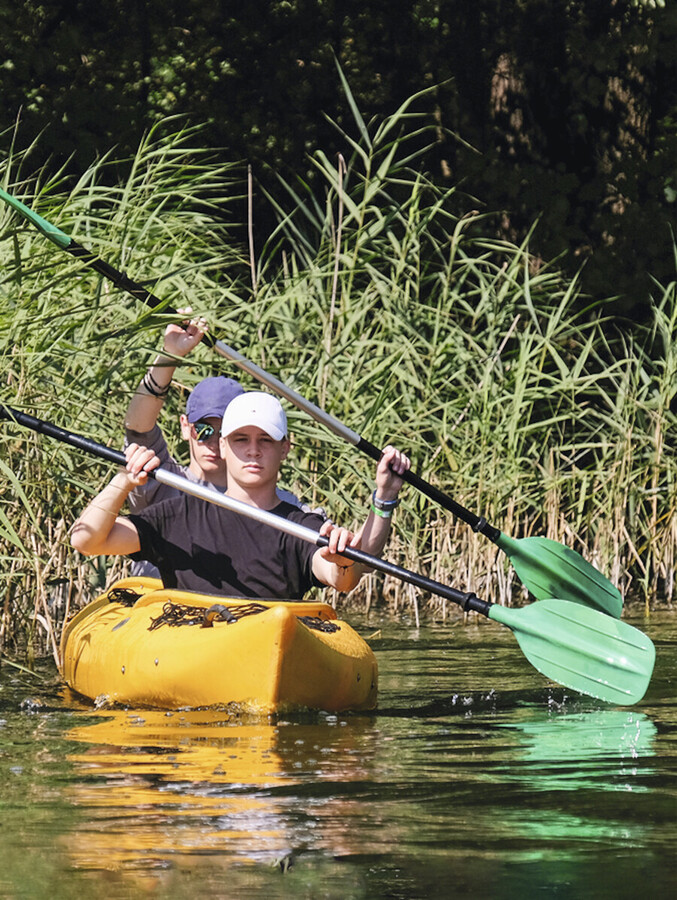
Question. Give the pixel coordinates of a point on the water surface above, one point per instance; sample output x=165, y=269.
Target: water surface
x=475, y=777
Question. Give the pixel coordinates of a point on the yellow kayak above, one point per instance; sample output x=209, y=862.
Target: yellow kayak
x=140, y=644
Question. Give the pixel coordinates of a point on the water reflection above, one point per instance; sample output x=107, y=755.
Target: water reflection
x=158, y=785
x=471, y=773
x=596, y=748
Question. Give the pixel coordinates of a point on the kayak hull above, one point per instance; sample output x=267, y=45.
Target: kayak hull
x=273, y=656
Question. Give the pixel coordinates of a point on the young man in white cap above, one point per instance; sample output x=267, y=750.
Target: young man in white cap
x=199, y=546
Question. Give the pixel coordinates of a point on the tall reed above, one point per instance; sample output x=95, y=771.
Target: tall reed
x=373, y=298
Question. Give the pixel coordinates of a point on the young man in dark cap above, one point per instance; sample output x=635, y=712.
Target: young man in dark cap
x=200, y=425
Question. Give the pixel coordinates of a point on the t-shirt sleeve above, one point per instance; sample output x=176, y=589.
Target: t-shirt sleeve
x=153, y=546
x=293, y=500
x=149, y=541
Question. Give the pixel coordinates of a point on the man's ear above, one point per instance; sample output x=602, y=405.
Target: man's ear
x=286, y=447
x=185, y=426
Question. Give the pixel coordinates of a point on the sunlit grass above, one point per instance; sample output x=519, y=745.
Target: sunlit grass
x=373, y=300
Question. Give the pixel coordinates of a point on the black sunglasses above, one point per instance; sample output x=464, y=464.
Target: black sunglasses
x=204, y=431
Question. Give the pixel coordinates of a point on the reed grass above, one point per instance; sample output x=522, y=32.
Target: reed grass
x=378, y=301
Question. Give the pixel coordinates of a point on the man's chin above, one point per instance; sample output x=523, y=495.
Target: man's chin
x=211, y=468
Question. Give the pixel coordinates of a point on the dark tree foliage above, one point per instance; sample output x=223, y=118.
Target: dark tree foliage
x=565, y=112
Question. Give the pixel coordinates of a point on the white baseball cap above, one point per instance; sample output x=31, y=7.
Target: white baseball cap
x=255, y=408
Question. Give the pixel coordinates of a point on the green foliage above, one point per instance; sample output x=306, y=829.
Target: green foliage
x=374, y=300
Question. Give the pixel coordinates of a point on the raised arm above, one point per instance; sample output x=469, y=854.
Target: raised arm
x=100, y=530
x=144, y=407
x=374, y=533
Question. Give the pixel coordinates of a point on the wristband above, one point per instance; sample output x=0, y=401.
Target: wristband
x=385, y=505
x=383, y=513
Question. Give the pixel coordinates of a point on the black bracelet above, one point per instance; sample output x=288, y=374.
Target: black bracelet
x=153, y=387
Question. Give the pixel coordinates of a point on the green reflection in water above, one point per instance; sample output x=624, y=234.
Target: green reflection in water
x=597, y=748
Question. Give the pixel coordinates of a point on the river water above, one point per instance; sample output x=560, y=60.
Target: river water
x=474, y=778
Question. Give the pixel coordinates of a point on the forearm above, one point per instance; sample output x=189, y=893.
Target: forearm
x=375, y=532
x=336, y=570
x=342, y=578
x=384, y=501
x=144, y=407
x=371, y=538
x=99, y=528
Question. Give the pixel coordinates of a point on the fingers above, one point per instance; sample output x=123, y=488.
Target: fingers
x=339, y=539
x=140, y=461
x=395, y=460
x=198, y=322
x=181, y=338
x=196, y=326
x=392, y=466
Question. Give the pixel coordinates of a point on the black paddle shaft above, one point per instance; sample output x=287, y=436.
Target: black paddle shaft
x=122, y=281
x=118, y=278
x=467, y=601
x=477, y=523
x=66, y=437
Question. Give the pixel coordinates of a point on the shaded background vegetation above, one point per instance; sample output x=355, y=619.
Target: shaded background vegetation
x=565, y=112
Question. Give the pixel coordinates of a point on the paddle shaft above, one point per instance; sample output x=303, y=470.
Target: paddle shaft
x=468, y=601
x=122, y=281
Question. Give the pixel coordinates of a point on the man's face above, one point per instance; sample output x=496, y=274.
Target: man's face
x=203, y=442
x=253, y=458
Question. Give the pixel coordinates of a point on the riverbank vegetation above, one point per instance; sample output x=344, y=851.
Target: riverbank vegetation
x=375, y=301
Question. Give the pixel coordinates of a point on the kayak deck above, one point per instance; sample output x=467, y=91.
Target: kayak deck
x=141, y=644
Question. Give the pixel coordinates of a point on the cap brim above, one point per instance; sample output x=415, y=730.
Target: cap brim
x=205, y=414
x=271, y=430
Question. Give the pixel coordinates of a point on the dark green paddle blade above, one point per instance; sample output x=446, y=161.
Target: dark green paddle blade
x=549, y=569
x=582, y=649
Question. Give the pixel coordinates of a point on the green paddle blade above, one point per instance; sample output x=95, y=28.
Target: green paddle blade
x=549, y=569
x=50, y=231
x=582, y=648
